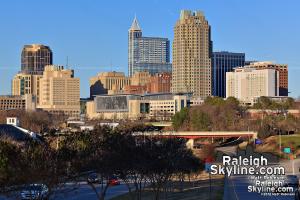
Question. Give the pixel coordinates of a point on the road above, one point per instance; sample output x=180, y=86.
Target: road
x=85, y=191
x=236, y=187
x=82, y=192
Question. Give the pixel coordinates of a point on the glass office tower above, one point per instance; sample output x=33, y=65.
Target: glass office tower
x=150, y=54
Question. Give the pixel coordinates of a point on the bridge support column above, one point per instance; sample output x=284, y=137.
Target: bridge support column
x=190, y=143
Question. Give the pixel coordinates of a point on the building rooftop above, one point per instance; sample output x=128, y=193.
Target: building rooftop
x=12, y=132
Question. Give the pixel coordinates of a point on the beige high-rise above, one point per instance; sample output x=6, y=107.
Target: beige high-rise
x=59, y=91
x=26, y=84
x=192, y=47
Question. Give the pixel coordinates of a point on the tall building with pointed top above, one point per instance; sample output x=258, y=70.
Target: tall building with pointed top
x=192, y=51
x=150, y=54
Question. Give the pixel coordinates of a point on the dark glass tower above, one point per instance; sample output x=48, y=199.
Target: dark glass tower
x=34, y=58
x=224, y=62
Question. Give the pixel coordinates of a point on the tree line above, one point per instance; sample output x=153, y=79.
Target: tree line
x=217, y=114
x=140, y=162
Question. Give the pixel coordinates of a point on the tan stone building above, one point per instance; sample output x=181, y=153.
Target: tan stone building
x=192, y=49
x=108, y=83
x=26, y=84
x=60, y=91
x=140, y=78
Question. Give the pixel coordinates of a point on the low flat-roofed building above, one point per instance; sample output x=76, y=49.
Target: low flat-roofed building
x=128, y=106
x=17, y=102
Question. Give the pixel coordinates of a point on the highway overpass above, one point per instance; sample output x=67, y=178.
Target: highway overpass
x=192, y=135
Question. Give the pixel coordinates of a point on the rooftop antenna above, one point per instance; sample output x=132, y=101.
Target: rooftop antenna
x=111, y=66
x=67, y=65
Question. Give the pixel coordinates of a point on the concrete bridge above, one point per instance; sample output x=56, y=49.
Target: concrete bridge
x=192, y=135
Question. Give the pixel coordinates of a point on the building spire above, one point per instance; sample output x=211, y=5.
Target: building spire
x=135, y=25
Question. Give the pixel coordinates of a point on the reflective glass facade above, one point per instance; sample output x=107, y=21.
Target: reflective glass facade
x=150, y=54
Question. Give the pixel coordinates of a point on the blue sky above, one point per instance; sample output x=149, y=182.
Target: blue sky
x=93, y=33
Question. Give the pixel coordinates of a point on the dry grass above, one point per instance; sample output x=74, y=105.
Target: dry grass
x=192, y=191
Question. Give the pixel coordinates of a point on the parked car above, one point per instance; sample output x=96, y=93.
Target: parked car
x=93, y=178
x=113, y=181
x=35, y=191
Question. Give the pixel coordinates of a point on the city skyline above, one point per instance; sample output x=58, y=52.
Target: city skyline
x=87, y=49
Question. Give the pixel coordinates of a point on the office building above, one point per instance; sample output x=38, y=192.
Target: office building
x=160, y=83
x=135, y=89
x=140, y=78
x=224, y=62
x=108, y=83
x=34, y=58
x=282, y=69
x=192, y=51
x=150, y=54
x=247, y=84
x=17, y=102
x=59, y=91
x=26, y=84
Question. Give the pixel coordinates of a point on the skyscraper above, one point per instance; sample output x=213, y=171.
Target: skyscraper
x=34, y=58
x=224, y=62
x=192, y=49
x=150, y=54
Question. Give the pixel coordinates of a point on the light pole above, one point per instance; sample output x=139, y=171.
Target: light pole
x=285, y=117
x=293, y=163
x=280, y=142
